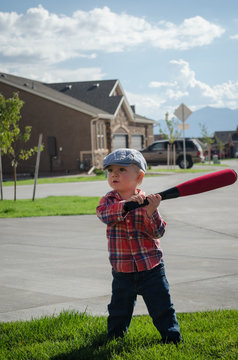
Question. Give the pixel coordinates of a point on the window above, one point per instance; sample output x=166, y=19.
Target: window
x=100, y=135
x=137, y=142
x=190, y=145
x=158, y=146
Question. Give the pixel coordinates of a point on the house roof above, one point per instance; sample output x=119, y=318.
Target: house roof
x=38, y=88
x=95, y=93
x=107, y=95
x=223, y=136
x=101, y=99
x=234, y=136
x=143, y=119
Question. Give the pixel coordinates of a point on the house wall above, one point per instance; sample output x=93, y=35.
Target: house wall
x=122, y=125
x=71, y=129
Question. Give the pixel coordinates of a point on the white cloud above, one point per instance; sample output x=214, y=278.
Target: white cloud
x=146, y=103
x=52, y=38
x=234, y=37
x=49, y=74
x=81, y=74
x=159, y=84
x=176, y=94
x=220, y=94
x=185, y=87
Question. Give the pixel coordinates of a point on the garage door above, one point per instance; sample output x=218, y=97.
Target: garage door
x=137, y=142
x=119, y=141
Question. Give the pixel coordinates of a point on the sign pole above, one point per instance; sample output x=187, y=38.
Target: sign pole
x=182, y=113
x=184, y=146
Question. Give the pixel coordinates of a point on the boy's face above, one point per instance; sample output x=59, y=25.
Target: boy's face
x=124, y=178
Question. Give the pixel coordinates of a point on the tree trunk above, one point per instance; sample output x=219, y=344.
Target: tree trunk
x=168, y=155
x=174, y=155
x=1, y=174
x=15, y=181
x=209, y=153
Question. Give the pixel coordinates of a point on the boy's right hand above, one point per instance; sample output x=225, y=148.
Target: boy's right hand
x=137, y=198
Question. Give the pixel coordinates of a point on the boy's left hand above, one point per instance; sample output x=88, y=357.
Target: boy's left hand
x=154, y=201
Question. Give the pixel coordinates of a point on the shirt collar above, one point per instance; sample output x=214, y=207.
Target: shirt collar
x=114, y=194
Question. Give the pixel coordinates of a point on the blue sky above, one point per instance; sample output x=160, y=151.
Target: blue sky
x=163, y=52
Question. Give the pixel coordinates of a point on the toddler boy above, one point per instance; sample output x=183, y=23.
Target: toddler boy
x=134, y=248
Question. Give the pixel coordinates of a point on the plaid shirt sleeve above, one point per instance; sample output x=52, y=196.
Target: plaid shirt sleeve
x=154, y=225
x=109, y=211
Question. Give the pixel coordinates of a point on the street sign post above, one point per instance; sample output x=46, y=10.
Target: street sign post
x=182, y=113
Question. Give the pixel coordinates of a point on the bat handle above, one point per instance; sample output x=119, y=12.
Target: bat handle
x=131, y=205
x=165, y=195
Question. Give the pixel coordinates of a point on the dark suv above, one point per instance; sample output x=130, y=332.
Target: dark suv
x=157, y=153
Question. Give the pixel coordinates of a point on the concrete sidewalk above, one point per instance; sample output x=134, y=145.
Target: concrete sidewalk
x=49, y=264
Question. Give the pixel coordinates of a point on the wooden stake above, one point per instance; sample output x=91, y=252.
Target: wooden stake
x=1, y=174
x=37, y=165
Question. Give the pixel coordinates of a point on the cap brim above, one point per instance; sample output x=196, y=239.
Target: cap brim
x=116, y=163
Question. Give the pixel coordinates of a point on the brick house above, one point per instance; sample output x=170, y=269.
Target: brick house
x=229, y=139
x=233, y=144
x=80, y=121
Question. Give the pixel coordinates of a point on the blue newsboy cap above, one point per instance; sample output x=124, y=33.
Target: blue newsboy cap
x=125, y=157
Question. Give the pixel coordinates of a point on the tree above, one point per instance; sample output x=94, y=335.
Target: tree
x=221, y=147
x=170, y=133
x=207, y=139
x=12, y=137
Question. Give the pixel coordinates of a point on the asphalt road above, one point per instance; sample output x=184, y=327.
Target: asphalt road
x=48, y=264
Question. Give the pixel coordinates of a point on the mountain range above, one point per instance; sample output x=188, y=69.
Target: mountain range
x=215, y=119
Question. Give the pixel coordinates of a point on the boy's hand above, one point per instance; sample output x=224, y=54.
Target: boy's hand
x=137, y=198
x=154, y=201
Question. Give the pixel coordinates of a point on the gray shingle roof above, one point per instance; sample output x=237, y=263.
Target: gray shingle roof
x=223, y=136
x=91, y=97
x=41, y=89
x=95, y=93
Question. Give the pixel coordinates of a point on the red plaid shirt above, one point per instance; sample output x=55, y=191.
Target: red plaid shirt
x=133, y=237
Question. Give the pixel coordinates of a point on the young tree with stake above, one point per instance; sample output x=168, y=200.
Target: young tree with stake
x=170, y=133
x=12, y=137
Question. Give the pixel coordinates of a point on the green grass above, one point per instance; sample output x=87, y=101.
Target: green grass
x=179, y=170
x=212, y=164
x=49, y=206
x=56, y=180
x=74, y=336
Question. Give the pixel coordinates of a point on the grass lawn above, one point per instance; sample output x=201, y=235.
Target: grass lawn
x=206, y=335
x=49, y=206
x=177, y=170
x=56, y=180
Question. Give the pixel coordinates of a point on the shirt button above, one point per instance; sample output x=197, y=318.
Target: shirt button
x=130, y=237
x=128, y=221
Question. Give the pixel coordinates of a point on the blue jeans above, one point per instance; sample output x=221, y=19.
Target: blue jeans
x=154, y=288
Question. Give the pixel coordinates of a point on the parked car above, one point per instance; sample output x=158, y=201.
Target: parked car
x=157, y=153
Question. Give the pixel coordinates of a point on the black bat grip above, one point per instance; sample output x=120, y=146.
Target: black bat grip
x=165, y=195
x=131, y=205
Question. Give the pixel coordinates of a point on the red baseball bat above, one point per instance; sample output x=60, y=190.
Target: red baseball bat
x=194, y=186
